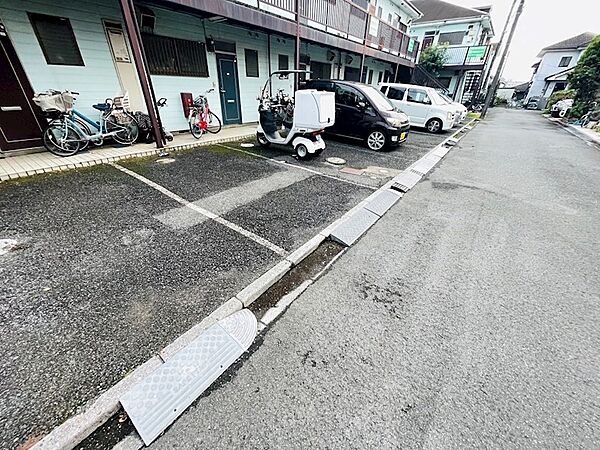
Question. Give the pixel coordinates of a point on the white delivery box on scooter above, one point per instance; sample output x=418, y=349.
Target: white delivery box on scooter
x=314, y=110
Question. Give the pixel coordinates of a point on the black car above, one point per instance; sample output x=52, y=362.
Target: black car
x=363, y=112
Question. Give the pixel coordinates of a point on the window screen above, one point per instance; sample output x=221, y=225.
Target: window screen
x=57, y=40
x=455, y=38
x=283, y=62
x=251, y=62
x=177, y=57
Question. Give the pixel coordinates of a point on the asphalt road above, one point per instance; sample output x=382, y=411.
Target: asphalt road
x=466, y=318
x=109, y=270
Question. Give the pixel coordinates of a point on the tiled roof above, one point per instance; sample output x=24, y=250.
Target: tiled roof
x=581, y=40
x=436, y=10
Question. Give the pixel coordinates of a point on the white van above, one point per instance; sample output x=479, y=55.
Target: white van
x=461, y=110
x=423, y=105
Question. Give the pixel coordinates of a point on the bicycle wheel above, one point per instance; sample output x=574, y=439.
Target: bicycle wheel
x=194, y=122
x=125, y=127
x=61, y=139
x=214, y=123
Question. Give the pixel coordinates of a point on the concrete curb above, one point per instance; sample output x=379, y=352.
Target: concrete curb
x=78, y=165
x=77, y=428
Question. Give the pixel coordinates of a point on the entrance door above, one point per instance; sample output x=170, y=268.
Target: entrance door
x=19, y=125
x=351, y=74
x=125, y=69
x=228, y=85
x=427, y=42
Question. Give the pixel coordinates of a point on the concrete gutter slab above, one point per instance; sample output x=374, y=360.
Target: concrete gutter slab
x=354, y=227
x=382, y=202
x=406, y=180
x=161, y=397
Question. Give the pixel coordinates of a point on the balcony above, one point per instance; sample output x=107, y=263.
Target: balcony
x=466, y=55
x=343, y=19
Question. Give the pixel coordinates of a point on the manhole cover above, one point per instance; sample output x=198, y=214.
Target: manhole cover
x=165, y=160
x=247, y=144
x=335, y=160
x=6, y=245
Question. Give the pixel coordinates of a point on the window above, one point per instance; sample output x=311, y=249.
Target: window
x=225, y=47
x=565, y=61
x=417, y=96
x=455, y=38
x=389, y=17
x=346, y=95
x=57, y=40
x=177, y=57
x=370, y=80
x=283, y=62
x=251, y=57
x=380, y=77
x=396, y=93
x=379, y=12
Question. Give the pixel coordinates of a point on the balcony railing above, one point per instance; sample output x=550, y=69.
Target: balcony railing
x=346, y=19
x=466, y=55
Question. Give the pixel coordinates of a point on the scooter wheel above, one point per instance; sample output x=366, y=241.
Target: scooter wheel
x=262, y=140
x=302, y=151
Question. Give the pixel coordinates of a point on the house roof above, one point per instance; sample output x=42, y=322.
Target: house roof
x=409, y=5
x=573, y=43
x=438, y=10
x=521, y=87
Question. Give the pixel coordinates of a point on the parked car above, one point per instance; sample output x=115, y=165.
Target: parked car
x=533, y=103
x=461, y=110
x=362, y=112
x=423, y=105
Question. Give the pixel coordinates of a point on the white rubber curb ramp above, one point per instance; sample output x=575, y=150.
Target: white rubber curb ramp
x=155, y=402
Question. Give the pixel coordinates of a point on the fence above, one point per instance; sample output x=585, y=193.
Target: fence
x=345, y=18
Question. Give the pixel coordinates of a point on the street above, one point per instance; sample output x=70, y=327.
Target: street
x=467, y=317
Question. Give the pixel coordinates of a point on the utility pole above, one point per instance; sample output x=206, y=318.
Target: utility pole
x=490, y=64
x=496, y=82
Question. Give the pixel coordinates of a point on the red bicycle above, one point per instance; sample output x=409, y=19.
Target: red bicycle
x=201, y=118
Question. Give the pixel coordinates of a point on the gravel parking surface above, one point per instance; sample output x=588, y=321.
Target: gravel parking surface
x=108, y=270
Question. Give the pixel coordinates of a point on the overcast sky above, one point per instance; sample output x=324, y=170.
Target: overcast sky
x=543, y=22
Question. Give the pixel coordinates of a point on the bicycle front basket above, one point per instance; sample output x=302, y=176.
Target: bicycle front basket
x=62, y=102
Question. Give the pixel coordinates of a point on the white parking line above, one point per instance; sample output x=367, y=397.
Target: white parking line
x=232, y=226
x=316, y=172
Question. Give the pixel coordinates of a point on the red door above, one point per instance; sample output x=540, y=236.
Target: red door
x=19, y=125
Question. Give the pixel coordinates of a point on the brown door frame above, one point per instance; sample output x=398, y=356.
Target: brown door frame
x=6, y=46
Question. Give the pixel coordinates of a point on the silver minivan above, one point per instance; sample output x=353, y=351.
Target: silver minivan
x=424, y=106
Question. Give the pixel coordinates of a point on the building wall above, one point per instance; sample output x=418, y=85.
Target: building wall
x=418, y=31
x=97, y=79
x=395, y=7
x=549, y=66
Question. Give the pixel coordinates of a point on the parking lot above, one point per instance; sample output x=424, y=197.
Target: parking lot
x=112, y=263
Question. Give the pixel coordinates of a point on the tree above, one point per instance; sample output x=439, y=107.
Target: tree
x=433, y=59
x=585, y=79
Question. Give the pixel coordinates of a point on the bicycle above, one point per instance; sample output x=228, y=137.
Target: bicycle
x=70, y=131
x=201, y=119
x=593, y=115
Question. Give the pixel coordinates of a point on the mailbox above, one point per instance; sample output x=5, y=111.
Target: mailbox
x=187, y=101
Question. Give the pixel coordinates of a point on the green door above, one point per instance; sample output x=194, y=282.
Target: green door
x=229, y=89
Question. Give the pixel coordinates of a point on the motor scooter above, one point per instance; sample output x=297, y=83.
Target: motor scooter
x=297, y=122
